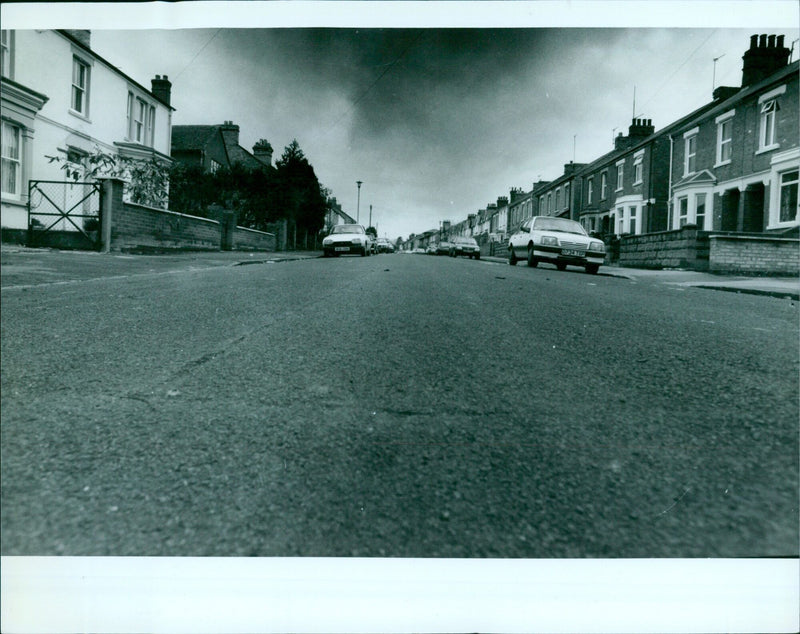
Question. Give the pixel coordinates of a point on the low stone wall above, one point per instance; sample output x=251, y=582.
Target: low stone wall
x=682, y=248
x=148, y=228
x=251, y=240
x=754, y=255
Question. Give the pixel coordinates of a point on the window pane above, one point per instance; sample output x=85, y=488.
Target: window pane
x=700, y=210
x=10, y=162
x=788, y=210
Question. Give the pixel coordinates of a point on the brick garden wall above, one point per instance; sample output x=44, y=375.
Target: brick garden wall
x=754, y=255
x=140, y=227
x=252, y=240
x=683, y=248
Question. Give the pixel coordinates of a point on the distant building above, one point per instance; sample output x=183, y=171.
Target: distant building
x=217, y=146
x=335, y=216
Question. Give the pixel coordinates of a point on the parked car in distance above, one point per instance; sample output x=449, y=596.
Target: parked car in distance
x=463, y=245
x=382, y=245
x=431, y=250
x=443, y=248
x=556, y=240
x=345, y=240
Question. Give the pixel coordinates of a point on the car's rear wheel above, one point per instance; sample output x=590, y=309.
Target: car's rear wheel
x=531, y=260
x=591, y=269
x=561, y=266
x=512, y=257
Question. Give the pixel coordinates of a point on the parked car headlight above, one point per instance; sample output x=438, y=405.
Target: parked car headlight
x=356, y=240
x=549, y=240
x=597, y=246
x=327, y=241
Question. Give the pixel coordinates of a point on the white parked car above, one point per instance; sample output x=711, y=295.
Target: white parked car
x=556, y=240
x=346, y=239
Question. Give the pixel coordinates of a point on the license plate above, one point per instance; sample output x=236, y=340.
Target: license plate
x=573, y=253
x=342, y=248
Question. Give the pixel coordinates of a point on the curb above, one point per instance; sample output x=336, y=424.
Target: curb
x=750, y=291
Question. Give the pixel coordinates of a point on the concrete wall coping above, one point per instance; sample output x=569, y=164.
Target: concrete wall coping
x=263, y=233
x=173, y=213
x=714, y=236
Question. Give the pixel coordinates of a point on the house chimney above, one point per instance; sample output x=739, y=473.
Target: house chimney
x=230, y=133
x=721, y=93
x=502, y=201
x=766, y=55
x=161, y=87
x=641, y=128
x=263, y=152
x=621, y=142
x=84, y=36
x=516, y=194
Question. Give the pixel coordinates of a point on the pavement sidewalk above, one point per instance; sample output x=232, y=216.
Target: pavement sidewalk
x=782, y=287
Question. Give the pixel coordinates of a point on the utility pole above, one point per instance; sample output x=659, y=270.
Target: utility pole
x=358, y=204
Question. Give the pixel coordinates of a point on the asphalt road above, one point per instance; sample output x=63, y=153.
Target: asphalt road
x=397, y=406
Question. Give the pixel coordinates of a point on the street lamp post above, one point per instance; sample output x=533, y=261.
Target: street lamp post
x=358, y=204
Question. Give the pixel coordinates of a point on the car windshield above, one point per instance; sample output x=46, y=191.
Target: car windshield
x=347, y=229
x=558, y=224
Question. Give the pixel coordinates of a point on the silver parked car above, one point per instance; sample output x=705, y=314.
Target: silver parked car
x=347, y=239
x=556, y=240
x=464, y=245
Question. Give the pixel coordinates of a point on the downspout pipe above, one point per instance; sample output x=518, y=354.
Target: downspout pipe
x=669, y=185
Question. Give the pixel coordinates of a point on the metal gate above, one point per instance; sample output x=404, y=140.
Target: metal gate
x=64, y=214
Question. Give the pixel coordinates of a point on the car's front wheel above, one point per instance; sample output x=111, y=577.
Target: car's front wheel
x=531, y=260
x=512, y=257
x=591, y=269
x=561, y=266
x=477, y=256
x=364, y=252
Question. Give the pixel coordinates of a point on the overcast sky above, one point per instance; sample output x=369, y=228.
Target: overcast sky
x=436, y=122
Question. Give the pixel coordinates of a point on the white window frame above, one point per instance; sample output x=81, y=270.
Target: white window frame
x=681, y=213
x=781, y=184
x=638, y=167
x=690, y=151
x=705, y=198
x=589, y=190
x=620, y=175
x=724, y=142
x=9, y=161
x=781, y=163
x=78, y=61
x=621, y=220
x=7, y=53
x=558, y=198
x=768, y=107
x=141, y=119
x=603, y=184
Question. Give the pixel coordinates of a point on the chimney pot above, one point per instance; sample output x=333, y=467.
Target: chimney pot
x=753, y=41
x=771, y=40
x=780, y=41
x=762, y=40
